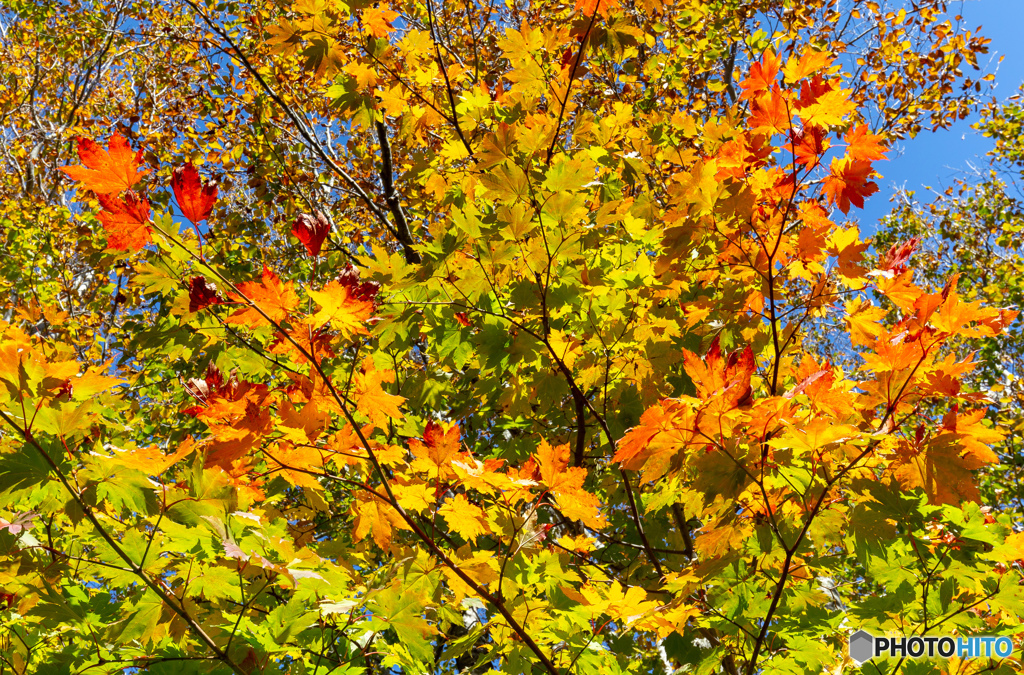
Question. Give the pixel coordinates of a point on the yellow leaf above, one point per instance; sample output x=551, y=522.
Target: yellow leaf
x=338, y=306
x=464, y=517
x=376, y=518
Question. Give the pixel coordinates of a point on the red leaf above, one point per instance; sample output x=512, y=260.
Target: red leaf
x=896, y=258
x=312, y=231
x=848, y=183
x=201, y=293
x=813, y=89
x=195, y=196
x=360, y=290
x=809, y=145
x=126, y=221
x=567, y=57
x=105, y=171
x=462, y=318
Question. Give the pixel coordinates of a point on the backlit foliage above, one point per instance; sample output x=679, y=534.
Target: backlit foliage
x=404, y=337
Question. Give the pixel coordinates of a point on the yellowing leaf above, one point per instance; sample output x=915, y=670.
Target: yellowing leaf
x=465, y=518
x=371, y=399
x=345, y=312
x=376, y=518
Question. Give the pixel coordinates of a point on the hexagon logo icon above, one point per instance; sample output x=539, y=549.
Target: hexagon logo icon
x=862, y=647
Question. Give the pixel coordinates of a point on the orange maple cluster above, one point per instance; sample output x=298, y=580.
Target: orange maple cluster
x=112, y=175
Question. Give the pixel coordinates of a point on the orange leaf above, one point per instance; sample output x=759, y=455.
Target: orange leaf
x=848, y=183
x=718, y=374
x=274, y=298
x=762, y=75
x=376, y=518
x=769, y=114
x=863, y=145
x=808, y=64
x=945, y=466
x=195, y=197
x=295, y=462
x=371, y=399
x=592, y=7
x=665, y=430
x=378, y=20
x=105, y=171
x=566, y=485
x=435, y=453
x=126, y=221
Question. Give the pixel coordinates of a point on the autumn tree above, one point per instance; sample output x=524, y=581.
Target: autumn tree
x=972, y=229
x=439, y=337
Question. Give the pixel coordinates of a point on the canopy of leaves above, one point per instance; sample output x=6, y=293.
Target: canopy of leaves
x=521, y=337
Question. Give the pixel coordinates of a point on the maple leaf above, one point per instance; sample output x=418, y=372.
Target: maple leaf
x=202, y=294
x=464, y=517
x=846, y=244
x=762, y=75
x=195, y=197
x=125, y=221
x=361, y=290
x=274, y=298
x=295, y=463
x=665, y=430
x=718, y=375
x=566, y=485
x=862, y=145
x=378, y=20
x=434, y=455
x=896, y=258
x=151, y=460
x=769, y=114
x=303, y=424
x=828, y=108
x=809, y=145
x=809, y=63
x=944, y=467
x=480, y=566
x=593, y=7
x=312, y=231
x=22, y=522
x=371, y=399
x=848, y=183
x=106, y=171
x=416, y=497
x=341, y=308
x=376, y=518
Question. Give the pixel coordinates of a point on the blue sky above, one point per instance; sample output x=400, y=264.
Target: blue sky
x=936, y=158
